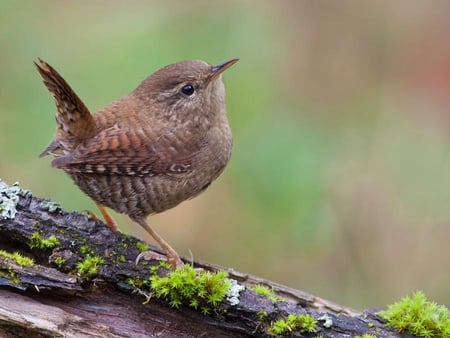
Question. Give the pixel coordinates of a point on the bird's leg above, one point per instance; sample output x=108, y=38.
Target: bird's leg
x=107, y=217
x=172, y=256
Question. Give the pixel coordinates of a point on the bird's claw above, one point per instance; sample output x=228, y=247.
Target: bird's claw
x=173, y=260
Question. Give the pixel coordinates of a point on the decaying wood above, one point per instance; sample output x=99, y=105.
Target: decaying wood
x=43, y=300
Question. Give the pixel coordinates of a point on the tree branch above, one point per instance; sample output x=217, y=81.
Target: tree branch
x=50, y=298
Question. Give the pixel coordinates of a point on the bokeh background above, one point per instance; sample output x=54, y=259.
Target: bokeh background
x=339, y=183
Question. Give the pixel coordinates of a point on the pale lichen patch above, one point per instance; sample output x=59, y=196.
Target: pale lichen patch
x=9, y=197
x=233, y=292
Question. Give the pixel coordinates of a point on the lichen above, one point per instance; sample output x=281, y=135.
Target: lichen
x=326, y=320
x=50, y=206
x=9, y=197
x=418, y=316
x=234, y=291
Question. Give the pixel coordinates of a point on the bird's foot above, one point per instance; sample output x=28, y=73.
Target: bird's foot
x=172, y=258
x=91, y=215
x=108, y=220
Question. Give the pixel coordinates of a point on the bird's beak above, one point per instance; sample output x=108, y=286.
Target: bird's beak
x=220, y=68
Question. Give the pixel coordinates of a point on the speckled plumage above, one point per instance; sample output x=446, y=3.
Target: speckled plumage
x=147, y=151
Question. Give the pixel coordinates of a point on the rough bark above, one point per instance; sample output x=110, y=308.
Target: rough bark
x=47, y=300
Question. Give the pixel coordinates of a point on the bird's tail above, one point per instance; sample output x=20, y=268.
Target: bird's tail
x=74, y=121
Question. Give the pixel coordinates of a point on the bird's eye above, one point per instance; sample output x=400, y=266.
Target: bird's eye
x=188, y=89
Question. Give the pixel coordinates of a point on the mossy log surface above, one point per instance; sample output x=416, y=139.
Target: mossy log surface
x=47, y=299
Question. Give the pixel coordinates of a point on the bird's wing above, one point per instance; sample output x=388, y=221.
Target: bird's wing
x=123, y=152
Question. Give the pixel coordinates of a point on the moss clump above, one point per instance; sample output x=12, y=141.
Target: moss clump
x=17, y=258
x=418, y=316
x=262, y=315
x=302, y=323
x=264, y=291
x=186, y=286
x=86, y=250
x=10, y=275
x=141, y=246
x=136, y=282
x=366, y=335
x=59, y=261
x=154, y=269
x=37, y=241
x=89, y=267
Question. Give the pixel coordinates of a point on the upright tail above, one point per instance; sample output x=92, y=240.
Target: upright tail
x=74, y=121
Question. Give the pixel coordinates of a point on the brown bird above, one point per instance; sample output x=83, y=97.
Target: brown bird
x=150, y=150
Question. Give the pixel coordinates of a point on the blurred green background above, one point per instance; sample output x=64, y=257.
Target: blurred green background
x=339, y=183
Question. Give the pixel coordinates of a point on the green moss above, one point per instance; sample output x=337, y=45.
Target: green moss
x=262, y=315
x=136, y=282
x=10, y=275
x=86, y=250
x=302, y=323
x=63, y=231
x=89, y=267
x=197, y=289
x=366, y=335
x=37, y=241
x=122, y=259
x=145, y=285
x=154, y=269
x=17, y=258
x=59, y=261
x=264, y=291
x=141, y=246
x=418, y=316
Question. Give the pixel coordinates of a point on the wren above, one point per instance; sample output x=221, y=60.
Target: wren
x=148, y=151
